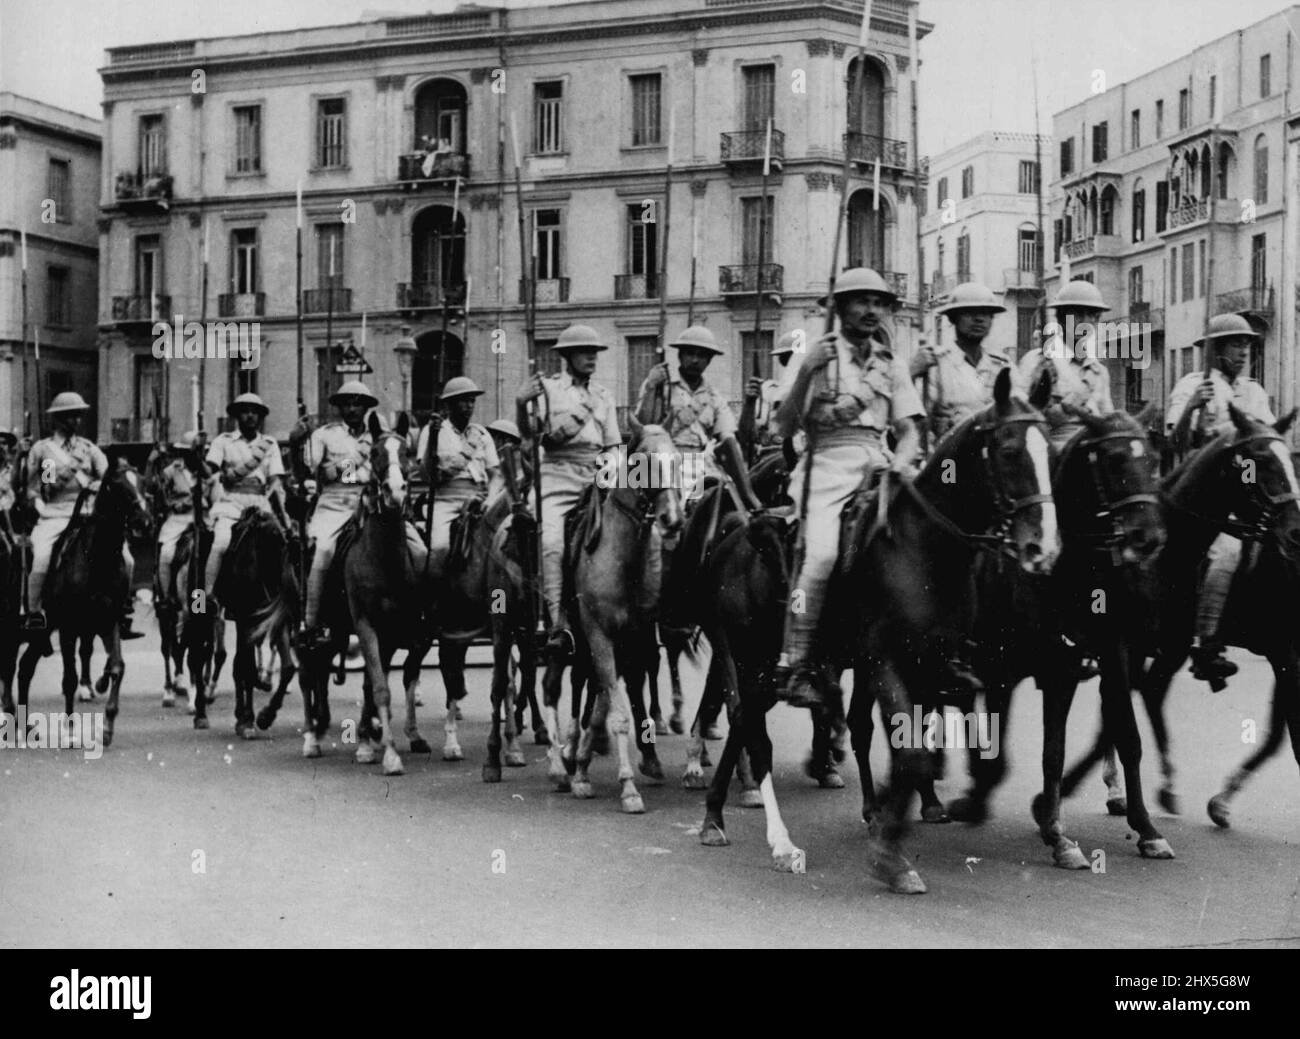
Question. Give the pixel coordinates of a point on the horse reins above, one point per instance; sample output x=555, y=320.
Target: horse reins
x=1107, y=510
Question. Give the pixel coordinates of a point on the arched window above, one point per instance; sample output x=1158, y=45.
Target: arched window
x=1207, y=171
x=1225, y=159
x=866, y=231
x=1261, y=170
x=867, y=103
x=1106, y=211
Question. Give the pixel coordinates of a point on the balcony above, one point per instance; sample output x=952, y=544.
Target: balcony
x=942, y=285
x=142, y=309
x=1098, y=246
x=143, y=191
x=241, y=304
x=428, y=295
x=133, y=430
x=745, y=147
x=549, y=290
x=744, y=278
x=866, y=149
x=1143, y=313
x=322, y=301
x=1016, y=280
x=419, y=168
x=897, y=282
x=636, y=286
x=1257, y=301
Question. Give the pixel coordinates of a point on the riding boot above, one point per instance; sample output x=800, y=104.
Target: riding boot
x=1210, y=665
x=799, y=686
x=124, y=629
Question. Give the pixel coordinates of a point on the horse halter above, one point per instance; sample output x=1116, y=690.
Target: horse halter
x=1107, y=510
x=1008, y=508
x=1268, y=505
x=643, y=513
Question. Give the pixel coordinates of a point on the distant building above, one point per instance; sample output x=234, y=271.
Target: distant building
x=381, y=120
x=49, y=164
x=1138, y=171
x=982, y=225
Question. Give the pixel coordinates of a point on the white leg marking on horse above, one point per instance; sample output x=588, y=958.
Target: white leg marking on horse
x=778, y=838
x=1036, y=445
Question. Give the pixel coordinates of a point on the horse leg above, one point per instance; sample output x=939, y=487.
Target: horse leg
x=1154, y=688
x=377, y=673
x=218, y=658
x=114, y=669
x=501, y=678
x=714, y=683
x=861, y=732
x=283, y=646
x=1058, y=695
x=908, y=766
x=1116, y=802
x=652, y=680
x=68, y=650
x=26, y=668
x=245, y=674
x=635, y=667
x=932, y=808
x=451, y=664
x=751, y=719
x=677, y=723
x=85, y=691
x=313, y=680
x=165, y=640
x=411, y=668
x=713, y=833
x=987, y=768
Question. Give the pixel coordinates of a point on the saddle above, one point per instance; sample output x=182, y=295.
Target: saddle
x=858, y=513
x=582, y=529
x=463, y=528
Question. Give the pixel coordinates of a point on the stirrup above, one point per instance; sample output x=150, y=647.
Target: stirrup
x=35, y=620
x=799, y=687
x=560, y=642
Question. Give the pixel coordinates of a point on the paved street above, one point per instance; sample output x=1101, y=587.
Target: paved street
x=105, y=852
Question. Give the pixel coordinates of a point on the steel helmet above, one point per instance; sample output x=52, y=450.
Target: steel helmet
x=461, y=386
x=971, y=295
x=1081, y=295
x=579, y=337
x=354, y=388
x=1228, y=326
x=785, y=345
x=188, y=439
x=506, y=428
x=67, y=401
x=700, y=338
x=247, y=400
x=861, y=279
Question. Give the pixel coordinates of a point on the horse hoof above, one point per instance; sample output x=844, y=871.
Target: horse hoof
x=1067, y=855
x=85, y=694
x=1117, y=806
x=452, y=754
x=515, y=759
x=831, y=780
x=563, y=784
x=752, y=798
x=789, y=861
x=968, y=810
x=1155, y=848
x=652, y=769
x=557, y=773
x=200, y=723
x=705, y=760
x=491, y=773
x=677, y=724
x=908, y=882
x=892, y=868
x=935, y=813
x=169, y=699
x=189, y=707
x=633, y=805
x=581, y=789
x=310, y=745
x=661, y=727
x=713, y=836
x=420, y=745
x=1170, y=802
x=365, y=754
x=694, y=781
x=246, y=732
x=541, y=738
x=108, y=737
x=1218, y=809
x=265, y=718
x=392, y=762
x=712, y=732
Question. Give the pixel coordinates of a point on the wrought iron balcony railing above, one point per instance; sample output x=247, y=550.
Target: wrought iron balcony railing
x=426, y=166
x=423, y=295
x=153, y=188
x=321, y=301
x=1014, y=279
x=867, y=148
x=1256, y=299
x=241, y=304
x=549, y=290
x=744, y=146
x=741, y=278
x=636, y=286
x=157, y=307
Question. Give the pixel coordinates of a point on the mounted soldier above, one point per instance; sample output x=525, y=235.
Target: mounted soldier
x=248, y=473
x=59, y=469
x=758, y=433
x=175, y=498
x=509, y=444
x=963, y=374
x=1230, y=338
x=579, y=426
x=463, y=466
x=1070, y=355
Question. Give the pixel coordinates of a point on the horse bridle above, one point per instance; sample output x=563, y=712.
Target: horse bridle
x=1269, y=505
x=1107, y=509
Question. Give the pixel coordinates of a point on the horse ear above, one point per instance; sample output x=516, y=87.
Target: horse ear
x=403, y=423
x=376, y=430
x=1239, y=418
x=634, y=427
x=1149, y=417
x=1002, y=389
x=1041, y=395
x=1286, y=421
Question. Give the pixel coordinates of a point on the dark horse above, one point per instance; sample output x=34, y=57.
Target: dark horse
x=903, y=591
x=87, y=584
x=1094, y=603
x=377, y=588
x=1242, y=483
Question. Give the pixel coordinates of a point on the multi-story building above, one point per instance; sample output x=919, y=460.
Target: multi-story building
x=982, y=225
x=49, y=164
x=1159, y=176
x=402, y=134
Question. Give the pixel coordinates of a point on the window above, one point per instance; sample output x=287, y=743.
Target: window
x=1200, y=291
x=1265, y=75
x=759, y=97
x=243, y=260
x=550, y=362
x=1160, y=119
x=1107, y=212
x=148, y=394
x=248, y=139
x=942, y=194
x=646, y=104
x=1135, y=285
x=1184, y=108
x=148, y=267
x=762, y=353
x=1026, y=323
x=548, y=118
x=643, y=247
x=58, y=310
x=153, y=146
x=1099, y=146
x=1261, y=170
x=1257, y=272
x=1162, y=205
x=1135, y=129
x=642, y=355
x=963, y=257
x=1027, y=248
x=331, y=133
x=241, y=380
x=1173, y=275
x=1139, y=212
x=1189, y=271
x=751, y=208
x=1067, y=157
x=968, y=182
x=1056, y=238
x=58, y=186
x=546, y=242
x=329, y=257
x=1214, y=94
x=1028, y=177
